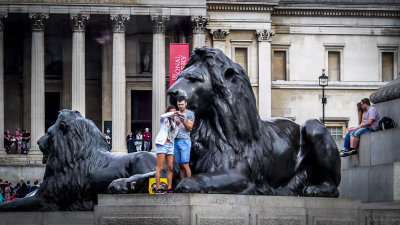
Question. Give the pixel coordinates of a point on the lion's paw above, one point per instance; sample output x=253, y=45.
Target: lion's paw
x=188, y=185
x=119, y=186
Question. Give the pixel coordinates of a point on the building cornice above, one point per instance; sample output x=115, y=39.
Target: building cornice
x=239, y=8
x=284, y=11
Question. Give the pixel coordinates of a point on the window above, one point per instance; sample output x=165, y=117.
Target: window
x=387, y=61
x=241, y=54
x=333, y=65
x=280, y=61
x=336, y=131
x=334, y=60
x=279, y=65
x=337, y=126
x=241, y=57
x=387, y=66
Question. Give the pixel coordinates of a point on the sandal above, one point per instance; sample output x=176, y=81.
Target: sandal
x=160, y=191
x=169, y=191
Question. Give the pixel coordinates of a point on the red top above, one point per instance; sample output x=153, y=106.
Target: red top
x=146, y=136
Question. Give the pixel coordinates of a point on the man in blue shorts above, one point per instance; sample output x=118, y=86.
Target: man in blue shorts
x=183, y=143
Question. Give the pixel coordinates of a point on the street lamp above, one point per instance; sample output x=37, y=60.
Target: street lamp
x=323, y=82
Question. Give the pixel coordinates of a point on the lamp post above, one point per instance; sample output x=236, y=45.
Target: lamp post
x=323, y=82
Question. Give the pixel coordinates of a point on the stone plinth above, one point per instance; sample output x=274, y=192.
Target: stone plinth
x=223, y=209
x=56, y=218
x=186, y=209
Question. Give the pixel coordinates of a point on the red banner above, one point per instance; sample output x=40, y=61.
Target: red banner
x=178, y=56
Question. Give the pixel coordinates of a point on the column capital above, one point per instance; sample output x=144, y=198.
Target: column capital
x=219, y=34
x=38, y=21
x=199, y=24
x=119, y=22
x=265, y=35
x=79, y=22
x=3, y=18
x=159, y=23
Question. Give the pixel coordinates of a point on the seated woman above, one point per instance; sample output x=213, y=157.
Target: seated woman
x=346, y=146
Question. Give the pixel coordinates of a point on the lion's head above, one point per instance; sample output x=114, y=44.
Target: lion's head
x=71, y=150
x=219, y=92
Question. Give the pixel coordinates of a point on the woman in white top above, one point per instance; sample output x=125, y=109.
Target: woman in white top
x=138, y=142
x=165, y=147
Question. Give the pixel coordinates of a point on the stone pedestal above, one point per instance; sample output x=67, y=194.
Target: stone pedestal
x=37, y=81
x=118, y=84
x=373, y=174
x=158, y=80
x=194, y=209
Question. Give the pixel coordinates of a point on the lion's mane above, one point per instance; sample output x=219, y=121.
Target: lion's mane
x=74, y=149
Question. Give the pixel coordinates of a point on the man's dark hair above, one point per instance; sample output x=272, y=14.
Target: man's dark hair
x=28, y=182
x=366, y=101
x=181, y=98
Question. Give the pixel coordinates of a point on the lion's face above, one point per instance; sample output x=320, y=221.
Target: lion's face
x=195, y=85
x=55, y=133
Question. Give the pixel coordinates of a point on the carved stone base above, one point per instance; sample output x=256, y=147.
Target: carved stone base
x=185, y=209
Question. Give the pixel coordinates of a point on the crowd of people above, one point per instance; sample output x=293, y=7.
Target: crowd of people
x=138, y=142
x=18, y=142
x=8, y=192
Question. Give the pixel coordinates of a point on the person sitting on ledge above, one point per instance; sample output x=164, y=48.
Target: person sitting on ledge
x=346, y=146
x=370, y=124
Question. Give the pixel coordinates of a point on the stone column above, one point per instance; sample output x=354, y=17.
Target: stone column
x=199, y=26
x=119, y=23
x=264, y=72
x=2, y=21
x=158, y=80
x=106, y=83
x=37, y=80
x=78, y=62
x=66, y=101
x=219, y=37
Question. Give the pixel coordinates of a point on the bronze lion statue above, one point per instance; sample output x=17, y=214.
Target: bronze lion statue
x=235, y=151
x=79, y=166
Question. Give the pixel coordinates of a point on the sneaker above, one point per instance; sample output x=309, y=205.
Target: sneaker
x=352, y=151
x=169, y=191
x=344, y=153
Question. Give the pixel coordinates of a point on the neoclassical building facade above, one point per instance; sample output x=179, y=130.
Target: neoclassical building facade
x=109, y=59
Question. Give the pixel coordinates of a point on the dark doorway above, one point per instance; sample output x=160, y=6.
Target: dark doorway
x=140, y=110
x=52, y=106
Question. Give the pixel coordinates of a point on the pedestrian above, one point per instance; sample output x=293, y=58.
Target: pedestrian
x=183, y=144
x=146, y=139
x=26, y=137
x=165, y=147
x=138, y=141
x=129, y=142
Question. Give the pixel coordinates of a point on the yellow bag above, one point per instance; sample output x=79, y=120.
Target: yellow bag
x=153, y=187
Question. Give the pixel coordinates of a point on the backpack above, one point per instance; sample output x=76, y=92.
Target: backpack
x=386, y=123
